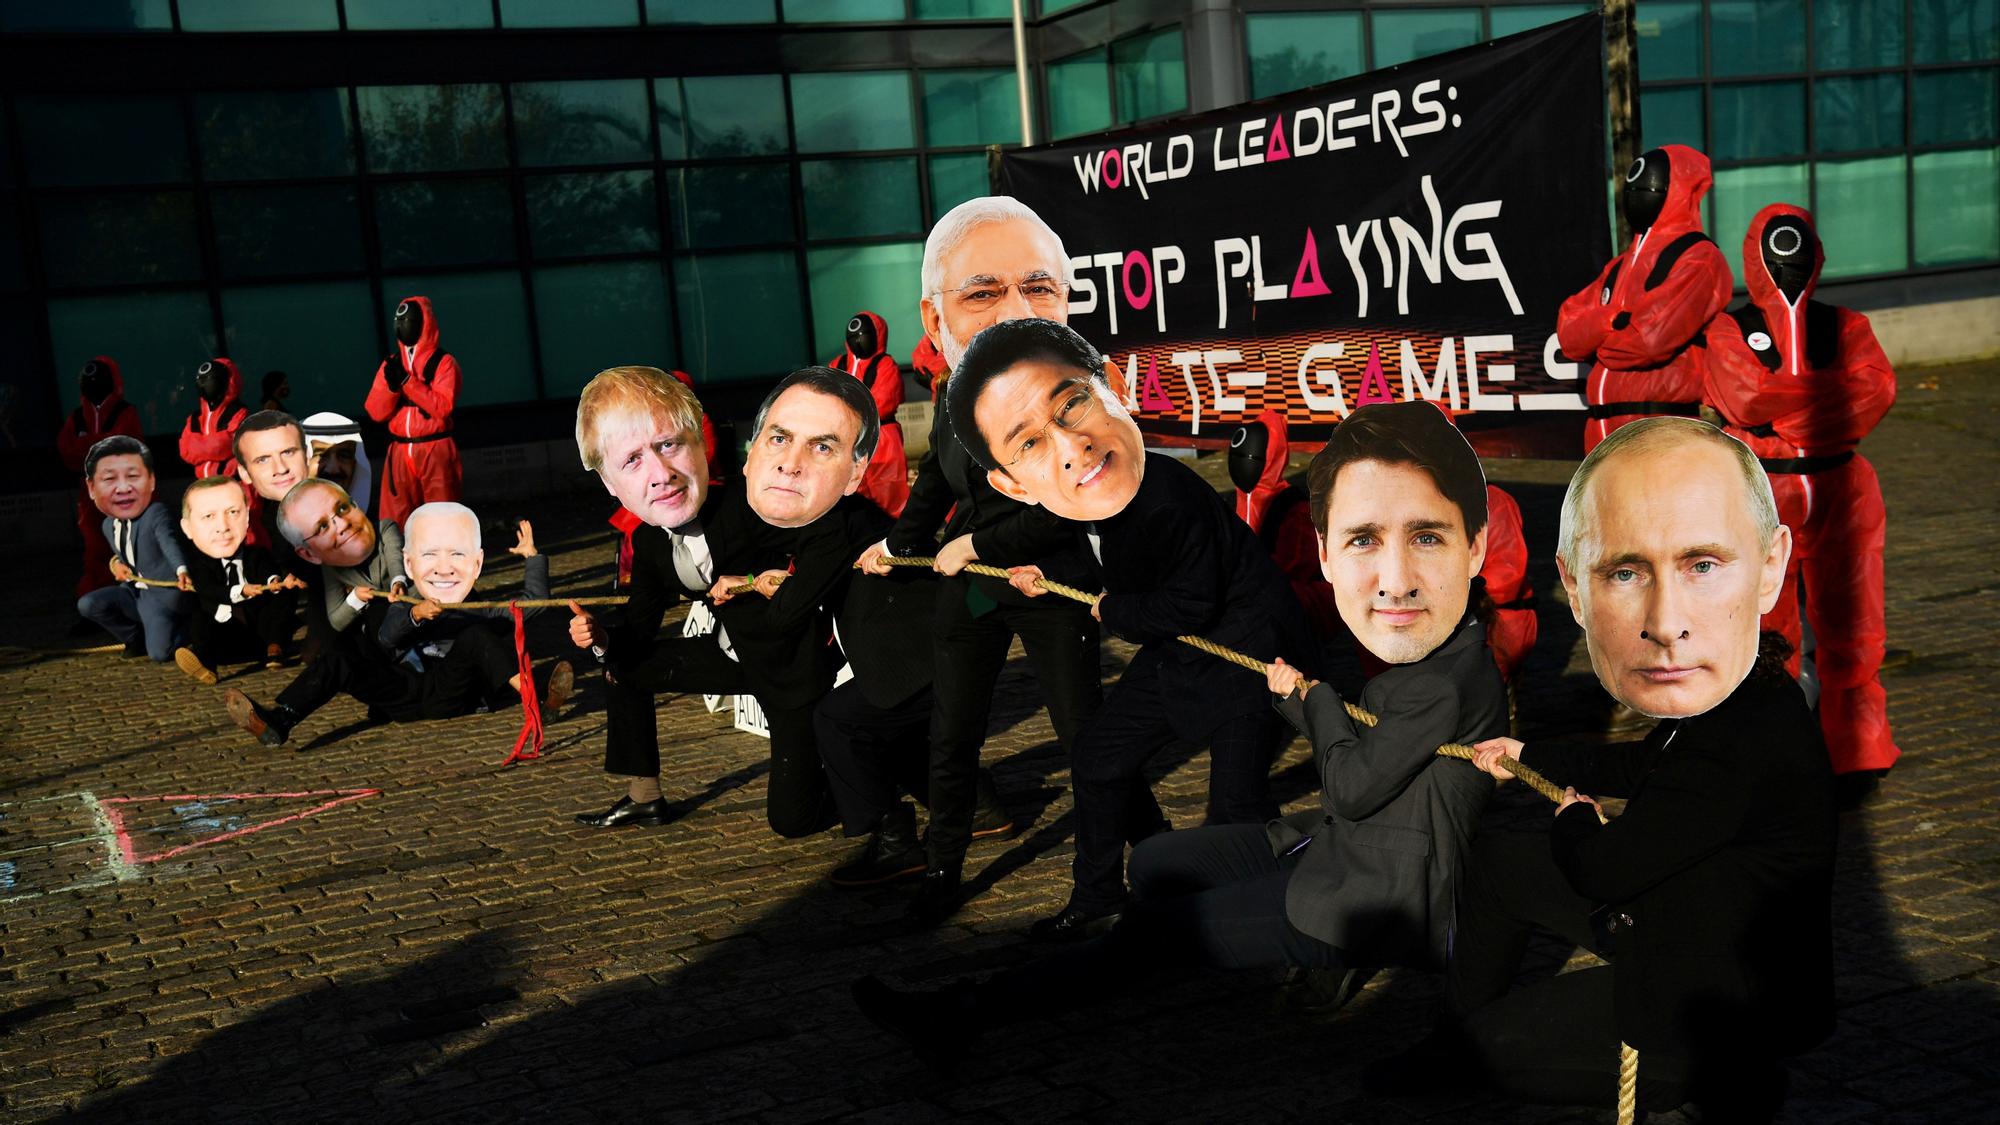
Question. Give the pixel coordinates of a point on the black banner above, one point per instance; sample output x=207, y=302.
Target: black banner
x=1407, y=233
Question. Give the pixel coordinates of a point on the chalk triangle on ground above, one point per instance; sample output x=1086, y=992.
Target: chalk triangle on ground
x=150, y=829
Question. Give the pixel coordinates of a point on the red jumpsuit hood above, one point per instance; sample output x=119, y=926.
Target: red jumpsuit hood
x=427, y=337
x=117, y=394
x=208, y=418
x=1687, y=182
x=1255, y=505
x=1764, y=292
x=881, y=339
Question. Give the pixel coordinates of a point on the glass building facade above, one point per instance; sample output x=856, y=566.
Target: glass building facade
x=718, y=185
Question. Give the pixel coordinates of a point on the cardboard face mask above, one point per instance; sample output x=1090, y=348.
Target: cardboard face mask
x=121, y=486
x=441, y=552
x=216, y=520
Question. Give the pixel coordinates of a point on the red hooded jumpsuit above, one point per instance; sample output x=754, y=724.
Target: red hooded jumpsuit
x=422, y=464
x=887, y=479
x=1639, y=325
x=627, y=523
x=1802, y=402
x=210, y=431
x=88, y=424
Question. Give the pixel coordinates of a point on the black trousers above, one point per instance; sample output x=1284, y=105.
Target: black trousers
x=799, y=802
x=1210, y=897
x=253, y=625
x=1110, y=757
x=872, y=754
x=474, y=671
x=1061, y=639
x=1557, y=1041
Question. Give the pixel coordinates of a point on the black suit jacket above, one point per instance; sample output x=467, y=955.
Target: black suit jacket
x=1178, y=560
x=1722, y=861
x=884, y=621
x=212, y=587
x=951, y=497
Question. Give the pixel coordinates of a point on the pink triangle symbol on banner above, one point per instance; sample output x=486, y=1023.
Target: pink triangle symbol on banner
x=1374, y=381
x=1307, y=282
x=1275, y=148
x=1153, y=396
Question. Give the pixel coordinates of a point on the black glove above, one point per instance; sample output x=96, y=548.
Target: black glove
x=1621, y=320
x=394, y=372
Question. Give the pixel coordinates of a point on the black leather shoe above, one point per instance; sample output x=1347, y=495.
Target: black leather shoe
x=989, y=818
x=1852, y=790
x=1075, y=922
x=937, y=899
x=892, y=852
x=269, y=727
x=939, y=1026
x=625, y=812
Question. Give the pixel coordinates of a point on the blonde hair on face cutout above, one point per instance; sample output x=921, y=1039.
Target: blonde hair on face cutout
x=626, y=391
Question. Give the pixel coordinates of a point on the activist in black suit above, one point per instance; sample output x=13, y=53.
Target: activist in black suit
x=243, y=602
x=1365, y=879
x=1711, y=893
x=641, y=428
x=149, y=620
x=987, y=260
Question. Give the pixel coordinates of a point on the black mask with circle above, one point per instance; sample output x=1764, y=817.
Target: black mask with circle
x=861, y=336
x=1248, y=450
x=1791, y=251
x=212, y=380
x=1645, y=192
x=95, y=381
x=409, y=323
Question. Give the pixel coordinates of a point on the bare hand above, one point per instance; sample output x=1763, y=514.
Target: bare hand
x=584, y=631
x=365, y=593
x=119, y=570
x=255, y=589
x=952, y=557
x=398, y=588
x=725, y=587
x=871, y=562
x=524, y=541
x=769, y=581
x=426, y=610
x=291, y=582
x=1283, y=679
x=1023, y=578
x=184, y=582
x=1486, y=755
x=1571, y=797
x=1097, y=608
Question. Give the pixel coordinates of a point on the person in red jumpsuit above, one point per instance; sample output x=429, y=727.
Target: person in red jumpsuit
x=1802, y=383
x=887, y=479
x=101, y=411
x=210, y=431
x=625, y=523
x=1639, y=325
x=1280, y=515
x=928, y=363
x=415, y=392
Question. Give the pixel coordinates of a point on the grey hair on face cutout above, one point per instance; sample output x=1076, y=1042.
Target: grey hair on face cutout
x=955, y=224
x=443, y=509
x=1655, y=435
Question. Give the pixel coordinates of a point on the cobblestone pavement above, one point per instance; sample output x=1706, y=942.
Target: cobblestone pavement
x=434, y=940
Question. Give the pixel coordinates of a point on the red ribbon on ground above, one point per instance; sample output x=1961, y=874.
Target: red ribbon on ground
x=531, y=704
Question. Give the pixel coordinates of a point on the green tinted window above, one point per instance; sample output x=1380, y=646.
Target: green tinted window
x=971, y=107
x=1742, y=192
x=711, y=11
x=1848, y=34
x=741, y=317
x=1672, y=116
x=1151, y=74
x=582, y=122
x=1404, y=35
x=274, y=134
x=482, y=321
x=266, y=232
x=964, y=9
x=733, y=115
x=955, y=179
x=1858, y=112
x=103, y=140
x=861, y=198
x=433, y=128
x=1080, y=93
x=13, y=274
x=1757, y=36
x=429, y=223
x=1514, y=18
x=569, y=13
x=730, y=205
x=883, y=279
x=119, y=239
x=1754, y=119
x=1051, y=7
x=852, y=111
x=1860, y=211
x=127, y=15
x=1955, y=105
x=258, y=15
x=157, y=338
x=1957, y=206
x=842, y=11
x=1956, y=30
x=427, y=15
x=606, y=314
x=1293, y=50
x=592, y=213
x=321, y=335
x=1669, y=39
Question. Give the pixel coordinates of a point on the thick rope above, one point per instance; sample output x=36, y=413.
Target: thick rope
x=1628, y=1084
